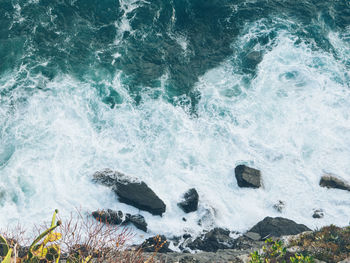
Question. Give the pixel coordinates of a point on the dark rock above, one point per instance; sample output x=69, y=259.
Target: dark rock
x=153, y=243
x=215, y=239
x=190, y=204
x=278, y=226
x=331, y=181
x=108, y=216
x=186, y=236
x=184, y=219
x=318, y=213
x=247, y=177
x=279, y=206
x=131, y=191
x=137, y=220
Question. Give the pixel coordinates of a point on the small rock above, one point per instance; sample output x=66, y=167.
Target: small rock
x=108, y=216
x=190, y=204
x=279, y=206
x=278, y=226
x=184, y=219
x=137, y=220
x=247, y=177
x=331, y=181
x=153, y=243
x=186, y=236
x=318, y=213
x=131, y=191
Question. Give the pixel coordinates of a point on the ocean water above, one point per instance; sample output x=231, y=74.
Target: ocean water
x=176, y=93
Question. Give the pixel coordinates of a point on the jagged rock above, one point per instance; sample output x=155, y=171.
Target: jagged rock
x=131, y=191
x=278, y=226
x=217, y=238
x=279, y=206
x=331, y=181
x=247, y=177
x=108, y=216
x=137, y=220
x=318, y=213
x=153, y=243
x=190, y=204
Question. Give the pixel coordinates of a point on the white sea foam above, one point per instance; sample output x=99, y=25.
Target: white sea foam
x=291, y=121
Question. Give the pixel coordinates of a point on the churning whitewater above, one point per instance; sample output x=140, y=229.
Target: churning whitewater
x=175, y=93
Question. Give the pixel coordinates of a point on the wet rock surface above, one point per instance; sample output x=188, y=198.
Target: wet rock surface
x=108, y=216
x=137, y=220
x=131, y=191
x=330, y=181
x=318, y=213
x=278, y=226
x=156, y=243
x=217, y=238
x=247, y=176
x=190, y=203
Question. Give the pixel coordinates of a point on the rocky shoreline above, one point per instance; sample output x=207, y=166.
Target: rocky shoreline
x=218, y=243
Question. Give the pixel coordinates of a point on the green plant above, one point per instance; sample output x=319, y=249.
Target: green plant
x=6, y=251
x=43, y=251
x=301, y=259
x=274, y=251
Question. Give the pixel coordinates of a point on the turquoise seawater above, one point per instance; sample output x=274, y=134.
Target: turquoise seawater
x=176, y=93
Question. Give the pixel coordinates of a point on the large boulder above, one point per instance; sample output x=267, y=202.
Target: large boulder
x=131, y=191
x=190, y=202
x=278, y=226
x=331, y=181
x=217, y=238
x=247, y=177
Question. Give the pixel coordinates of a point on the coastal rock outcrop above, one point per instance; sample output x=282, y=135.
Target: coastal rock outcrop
x=331, y=181
x=131, y=191
x=247, y=176
x=108, y=216
x=217, y=238
x=190, y=204
x=137, y=220
x=112, y=217
x=278, y=226
x=157, y=243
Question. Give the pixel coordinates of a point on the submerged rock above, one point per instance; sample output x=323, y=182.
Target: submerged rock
x=318, y=213
x=279, y=206
x=190, y=204
x=131, y=191
x=157, y=243
x=108, y=216
x=217, y=238
x=247, y=177
x=331, y=181
x=278, y=226
x=137, y=220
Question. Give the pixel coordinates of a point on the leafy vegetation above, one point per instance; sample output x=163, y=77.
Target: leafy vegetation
x=274, y=251
x=330, y=243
